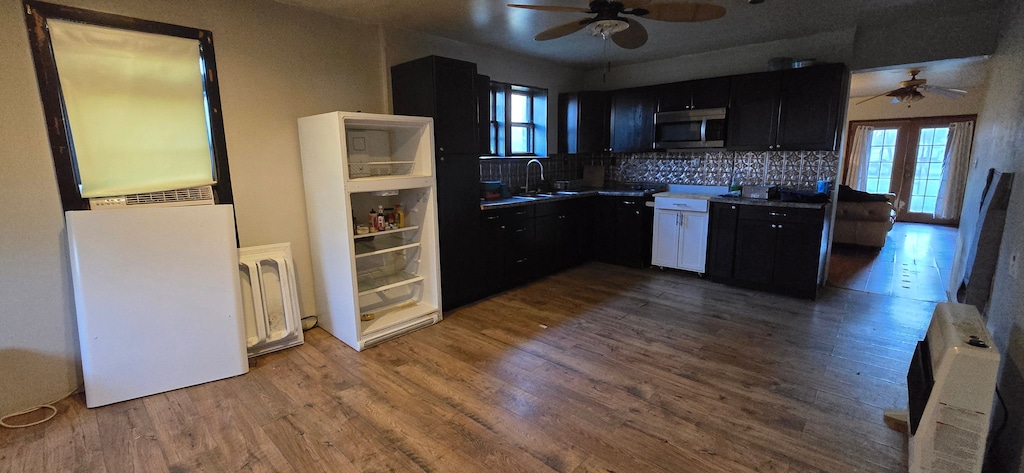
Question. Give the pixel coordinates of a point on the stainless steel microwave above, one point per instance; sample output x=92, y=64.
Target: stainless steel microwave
x=686, y=129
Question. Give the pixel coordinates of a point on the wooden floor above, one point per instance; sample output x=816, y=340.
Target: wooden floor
x=599, y=368
x=914, y=263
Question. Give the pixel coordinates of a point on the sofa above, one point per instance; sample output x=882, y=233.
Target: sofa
x=863, y=218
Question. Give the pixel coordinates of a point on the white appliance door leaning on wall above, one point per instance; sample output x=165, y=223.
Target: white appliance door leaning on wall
x=157, y=297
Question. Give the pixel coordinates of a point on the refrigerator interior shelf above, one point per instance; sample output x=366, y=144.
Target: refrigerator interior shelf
x=379, y=169
x=379, y=246
x=385, y=319
x=386, y=232
x=384, y=279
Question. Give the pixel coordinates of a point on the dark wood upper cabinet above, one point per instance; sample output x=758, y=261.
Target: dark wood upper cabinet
x=813, y=100
x=796, y=109
x=442, y=88
x=583, y=125
x=693, y=94
x=632, y=119
x=753, y=111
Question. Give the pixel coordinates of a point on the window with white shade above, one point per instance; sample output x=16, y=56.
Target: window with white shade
x=132, y=106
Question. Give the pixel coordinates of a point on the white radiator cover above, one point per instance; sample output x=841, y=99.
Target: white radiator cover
x=949, y=423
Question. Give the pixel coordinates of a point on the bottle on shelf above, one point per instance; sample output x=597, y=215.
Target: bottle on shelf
x=381, y=219
x=399, y=216
x=373, y=220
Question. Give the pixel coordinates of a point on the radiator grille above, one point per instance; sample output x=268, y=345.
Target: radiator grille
x=202, y=195
x=191, y=194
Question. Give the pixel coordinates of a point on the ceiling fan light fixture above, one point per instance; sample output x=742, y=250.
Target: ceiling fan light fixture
x=606, y=28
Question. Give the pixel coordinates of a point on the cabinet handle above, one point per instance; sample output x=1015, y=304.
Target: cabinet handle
x=492, y=217
x=520, y=261
x=503, y=227
x=638, y=212
x=628, y=202
x=561, y=216
x=733, y=207
x=520, y=230
x=780, y=225
x=521, y=212
x=777, y=214
x=682, y=205
x=773, y=225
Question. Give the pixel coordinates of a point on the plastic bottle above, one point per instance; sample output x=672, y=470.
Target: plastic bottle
x=373, y=220
x=381, y=219
x=399, y=216
x=734, y=184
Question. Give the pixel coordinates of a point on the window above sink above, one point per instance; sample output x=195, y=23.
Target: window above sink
x=518, y=120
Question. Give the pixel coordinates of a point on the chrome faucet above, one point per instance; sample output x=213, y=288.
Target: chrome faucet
x=528, y=163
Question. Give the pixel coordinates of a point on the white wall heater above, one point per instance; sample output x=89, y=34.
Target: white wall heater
x=951, y=383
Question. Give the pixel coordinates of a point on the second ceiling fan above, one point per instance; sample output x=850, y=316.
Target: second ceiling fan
x=625, y=32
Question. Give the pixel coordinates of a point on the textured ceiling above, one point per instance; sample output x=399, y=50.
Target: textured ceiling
x=492, y=24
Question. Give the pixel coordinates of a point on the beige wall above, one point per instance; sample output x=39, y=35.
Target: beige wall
x=276, y=64
x=999, y=143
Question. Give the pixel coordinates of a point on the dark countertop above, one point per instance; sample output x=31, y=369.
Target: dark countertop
x=619, y=190
x=768, y=203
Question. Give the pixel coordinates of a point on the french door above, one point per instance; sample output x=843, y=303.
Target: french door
x=906, y=158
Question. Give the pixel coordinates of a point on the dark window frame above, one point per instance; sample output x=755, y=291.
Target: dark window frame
x=501, y=118
x=36, y=16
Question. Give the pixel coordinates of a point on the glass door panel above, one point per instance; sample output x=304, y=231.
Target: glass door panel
x=931, y=151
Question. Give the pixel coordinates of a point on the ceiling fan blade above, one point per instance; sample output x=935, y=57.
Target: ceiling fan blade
x=872, y=98
x=686, y=12
x=944, y=91
x=562, y=30
x=900, y=92
x=631, y=4
x=550, y=8
x=632, y=37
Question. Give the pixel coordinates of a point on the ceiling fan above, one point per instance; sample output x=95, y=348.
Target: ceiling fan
x=910, y=90
x=625, y=32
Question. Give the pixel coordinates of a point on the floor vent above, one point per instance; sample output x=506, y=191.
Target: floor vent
x=270, y=303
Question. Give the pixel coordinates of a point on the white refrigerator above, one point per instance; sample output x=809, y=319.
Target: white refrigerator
x=157, y=297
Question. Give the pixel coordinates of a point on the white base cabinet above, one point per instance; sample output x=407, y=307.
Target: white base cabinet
x=374, y=286
x=680, y=234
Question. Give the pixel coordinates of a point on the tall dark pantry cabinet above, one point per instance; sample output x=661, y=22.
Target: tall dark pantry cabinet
x=446, y=89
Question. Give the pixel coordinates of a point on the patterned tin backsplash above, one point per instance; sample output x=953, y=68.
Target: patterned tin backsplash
x=512, y=171
x=787, y=169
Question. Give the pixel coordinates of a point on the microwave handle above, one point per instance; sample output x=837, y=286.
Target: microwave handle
x=704, y=130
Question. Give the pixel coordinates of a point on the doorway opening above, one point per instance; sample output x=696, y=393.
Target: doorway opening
x=905, y=158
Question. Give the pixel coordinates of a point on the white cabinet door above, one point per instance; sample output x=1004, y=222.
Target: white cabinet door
x=665, y=247
x=693, y=241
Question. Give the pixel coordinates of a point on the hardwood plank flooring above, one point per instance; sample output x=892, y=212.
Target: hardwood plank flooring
x=914, y=263
x=596, y=369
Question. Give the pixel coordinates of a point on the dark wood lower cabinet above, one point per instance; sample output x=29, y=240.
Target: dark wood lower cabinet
x=767, y=247
x=520, y=244
x=623, y=231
